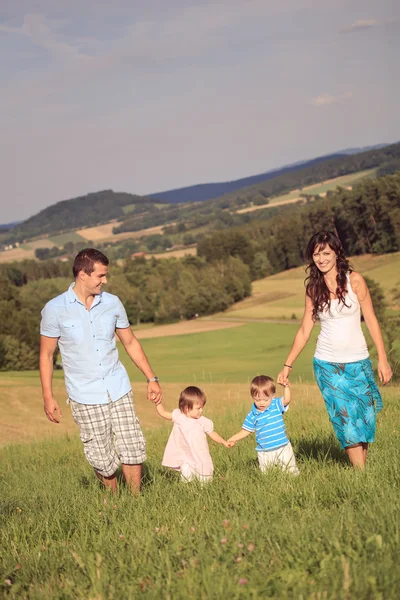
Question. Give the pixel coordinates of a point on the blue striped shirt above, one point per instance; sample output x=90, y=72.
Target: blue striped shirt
x=268, y=425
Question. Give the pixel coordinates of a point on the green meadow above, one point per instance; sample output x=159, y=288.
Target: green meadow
x=331, y=533
x=63, y=238
x=227, y=355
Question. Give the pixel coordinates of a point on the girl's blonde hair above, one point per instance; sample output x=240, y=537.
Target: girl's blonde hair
x=190, y=396
x=262, y=385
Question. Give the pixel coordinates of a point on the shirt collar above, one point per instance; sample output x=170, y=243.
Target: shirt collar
x=71, y=294
x=258, y=412
x=72, y=297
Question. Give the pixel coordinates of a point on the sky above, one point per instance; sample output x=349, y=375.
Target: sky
x=148, y=96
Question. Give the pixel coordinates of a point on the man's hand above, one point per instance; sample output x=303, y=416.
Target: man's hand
x=52, y=410
x=154, y=392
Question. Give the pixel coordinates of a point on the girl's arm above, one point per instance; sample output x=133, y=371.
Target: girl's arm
x=361, y=290
x=301, y=338
x=217, y=438
x=163, y=413
x=238, y=436
x=286, y=394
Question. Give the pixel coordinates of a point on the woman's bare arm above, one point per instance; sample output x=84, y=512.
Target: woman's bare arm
x=300, y=340
x=361, y=290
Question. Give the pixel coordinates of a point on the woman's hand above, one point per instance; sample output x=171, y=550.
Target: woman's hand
x=384, y=371
x=283, y=376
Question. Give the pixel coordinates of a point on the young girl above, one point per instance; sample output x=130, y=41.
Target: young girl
x=187, y=448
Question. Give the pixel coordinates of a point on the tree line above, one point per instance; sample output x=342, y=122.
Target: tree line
x=152, y=292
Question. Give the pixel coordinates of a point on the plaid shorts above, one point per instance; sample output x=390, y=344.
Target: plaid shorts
x=111, y=434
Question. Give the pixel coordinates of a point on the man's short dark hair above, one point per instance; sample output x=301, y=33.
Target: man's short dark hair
x=86, y=259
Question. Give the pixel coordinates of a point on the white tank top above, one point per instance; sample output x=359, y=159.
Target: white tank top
x=341, y=339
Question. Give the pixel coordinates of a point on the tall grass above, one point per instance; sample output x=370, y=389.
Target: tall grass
x=330, y=533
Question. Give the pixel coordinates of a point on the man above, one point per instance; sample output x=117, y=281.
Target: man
x=83, y=322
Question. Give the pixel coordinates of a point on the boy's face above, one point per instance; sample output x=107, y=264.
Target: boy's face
x=195, y=412
x=262, y=401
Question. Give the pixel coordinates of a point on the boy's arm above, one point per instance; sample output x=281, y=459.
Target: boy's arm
x=238, y=436
x=286, y=394
x=217, y=438
x=163, y=413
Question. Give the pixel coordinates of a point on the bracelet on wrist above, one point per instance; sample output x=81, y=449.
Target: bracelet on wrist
x=288, y=366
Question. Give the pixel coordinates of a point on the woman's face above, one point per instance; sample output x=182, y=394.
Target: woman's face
x=324, y=258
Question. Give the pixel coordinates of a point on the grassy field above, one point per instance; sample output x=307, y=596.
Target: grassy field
x=230, y=355
x=316, y=188
x=281, y=296
x=63, y=238
x=330, y=533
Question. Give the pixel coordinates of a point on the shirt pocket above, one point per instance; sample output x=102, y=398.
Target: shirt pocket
x=106, y=328
x=72, y=329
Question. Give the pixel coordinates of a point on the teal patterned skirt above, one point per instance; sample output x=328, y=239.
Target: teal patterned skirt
x=352, y=399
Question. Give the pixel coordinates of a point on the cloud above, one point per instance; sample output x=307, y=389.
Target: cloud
x=327, y=99
x=39, y=30
x=360, y=25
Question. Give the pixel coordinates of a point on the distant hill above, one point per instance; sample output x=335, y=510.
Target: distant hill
x=83, y=211
x=208, y=191
x=135, y=212
x=8, y=226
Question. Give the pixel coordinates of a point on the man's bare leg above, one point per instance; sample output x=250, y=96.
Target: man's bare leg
x=357, y=455
x=133, y=477
x=110, y=483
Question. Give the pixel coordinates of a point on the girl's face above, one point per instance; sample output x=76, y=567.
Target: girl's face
x=324, y=258
x=195, y=412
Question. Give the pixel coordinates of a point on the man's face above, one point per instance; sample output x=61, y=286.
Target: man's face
x=93, y=282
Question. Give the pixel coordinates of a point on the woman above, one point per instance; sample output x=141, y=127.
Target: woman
x=335, y=294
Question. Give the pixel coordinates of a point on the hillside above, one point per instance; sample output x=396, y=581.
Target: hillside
x=208, y=191
x=89, y=210
x=134, y=213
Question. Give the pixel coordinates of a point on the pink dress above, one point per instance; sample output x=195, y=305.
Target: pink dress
x=187, y=445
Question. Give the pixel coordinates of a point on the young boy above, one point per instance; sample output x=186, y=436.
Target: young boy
x=265, y=419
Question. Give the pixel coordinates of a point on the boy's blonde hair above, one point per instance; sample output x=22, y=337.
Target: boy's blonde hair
x=262, y=385
x=190, y=396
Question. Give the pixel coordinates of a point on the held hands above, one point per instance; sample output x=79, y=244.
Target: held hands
x=230, y=443
x=283, y=376
x=52, y=410
x=384, y=371
x=154, y=392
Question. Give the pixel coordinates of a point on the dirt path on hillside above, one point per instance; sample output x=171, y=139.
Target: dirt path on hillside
x=271, y=205
x=184, y=328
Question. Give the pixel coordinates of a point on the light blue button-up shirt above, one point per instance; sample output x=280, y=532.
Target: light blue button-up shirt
x=86, y=339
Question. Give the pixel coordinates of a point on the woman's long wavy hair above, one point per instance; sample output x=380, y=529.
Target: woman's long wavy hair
x=316, y=288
